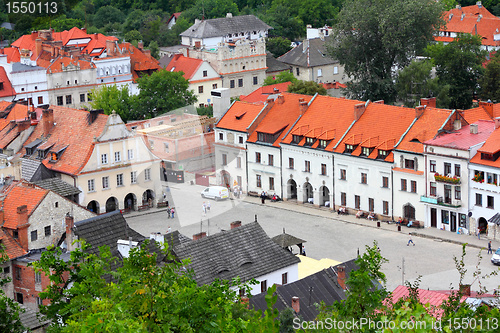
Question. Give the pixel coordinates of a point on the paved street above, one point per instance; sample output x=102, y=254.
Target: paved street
x=328, y=236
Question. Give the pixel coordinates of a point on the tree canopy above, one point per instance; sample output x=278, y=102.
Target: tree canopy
x=306, y=88
x=490, y=82
x=280, y=78
x=111, y=98
x=374, y=39
x=9, y=310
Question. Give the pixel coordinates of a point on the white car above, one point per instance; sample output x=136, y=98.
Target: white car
x=495, y=259
x=215, y=192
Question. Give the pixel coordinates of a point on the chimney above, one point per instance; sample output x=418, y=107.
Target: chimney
x=358, y=110
x=70, y=223
x=497, y=122
x=303, y=107
x=305, y=45
x=296, y=304
x=419, y=111
x=229, y=15
x=280, y=99
x=276, y=90
x=199, y=235
x=23, y=125
x=235, y=224
x=473, y=128
x=157, y=237
x=38, y=47
x=479, y=4
x=47, y=121
x=464, y=289
x=110, y=47
x=22, y=226
x=488, y=106
x=341, y=276
x=140, y=45
x=125, y=246
x=430, y=102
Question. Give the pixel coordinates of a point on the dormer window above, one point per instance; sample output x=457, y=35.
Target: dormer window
x=296, y=139
x=490, y=157
x=265, y=137
x=31, y=148
x=309, y=141
x=365, y=151
x=323, y=143
x=349, y=149
x=41, y=153
x=382, y=154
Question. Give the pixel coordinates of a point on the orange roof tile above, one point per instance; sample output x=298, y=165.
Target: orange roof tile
x=8, y=134
x=71, y=129
x=12, y=248
x=17, y=194
x=475, y=114
x=188, y=66
x=261, y=94
x=491, y=146
x=12, y=54
x=75, y=33
x=61, y=62
x=140, y=61
x=7, y=89
x=239, y=116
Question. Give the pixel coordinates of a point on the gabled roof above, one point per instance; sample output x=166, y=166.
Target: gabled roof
x=274, y=65
x=58, y=186
x=311, y=53
x=262, y=94
x=281, y=117
x=59, y=63
x=12, y=248
x=6, y=89
x=220, y=27
x=12, y=54
x=245, y=251
x=174, y=15
x=491, y=146
x=17, y=194
x=239, y=116
x=139, y=60
x=180, y=63
x=463, y=139
x=311, y=291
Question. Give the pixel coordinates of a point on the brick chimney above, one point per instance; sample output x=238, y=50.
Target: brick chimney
x=110, y=47
x=341, y=277
x=488, y=106
x=199, y=235
x=70, y=223
x=23, y=125
x=235, y=224
x=47, y=121
x=280, y=99
x=38, y=47
x=497, y=122
x=303, y=107
x=419, y=111
x=140, y=45
x=296, y=304
x=22, y=226
x=359, y=109
x=430, y=102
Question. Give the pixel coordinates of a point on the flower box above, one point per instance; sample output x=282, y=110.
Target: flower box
x=446, y=179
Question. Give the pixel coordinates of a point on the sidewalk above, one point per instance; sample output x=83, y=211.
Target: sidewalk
x=432, y=233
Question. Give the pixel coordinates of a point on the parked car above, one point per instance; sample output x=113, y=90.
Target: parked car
x=215, y=192
x=495, y=259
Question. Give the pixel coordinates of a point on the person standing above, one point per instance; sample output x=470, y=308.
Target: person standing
x=169, y=230
x=204, y=208
x=478, y=233
x=263, y=197
x=490, y=251
x=410, y=240
x=168, y=211
x=173, y=212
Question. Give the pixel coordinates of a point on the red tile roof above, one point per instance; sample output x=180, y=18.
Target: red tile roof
x=261, y=94
x=71, y=128
x=463, y=139
x=12, y=54
x=7, y=89
x=61, y=62
x=491, y=146
x=140, y=61
x=12, y=248
x=180, y=63
x=17, y=194
x=239, y=116
x=281, y=117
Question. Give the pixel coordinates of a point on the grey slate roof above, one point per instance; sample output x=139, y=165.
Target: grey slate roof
x=285, y=240
x=165, y=60
x=244, y=251
x=274, y=65
x=318, y=55
x=18, y=67
x=59, y=186
x=222, y=26
x=29, y=167
x=311, y=290
x=29, y=319
x=495, y=219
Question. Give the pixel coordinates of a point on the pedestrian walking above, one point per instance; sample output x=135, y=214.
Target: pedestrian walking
x=478, y=233
x=240, y=193
x=303, y=251
x=490, y=251
x=168, y=211
x=173, y=212
x=169, y=230
x=204, y=208
x=410, y=240
x=263, y=197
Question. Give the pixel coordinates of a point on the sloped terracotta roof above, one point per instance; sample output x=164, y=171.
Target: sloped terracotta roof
x=281, y=117
x=463, y=139
x=188, y=66
x=139, y=60
x=7, y=89
x=12, y=54
x=261, y=94
x=17, y=194
x=491, y=146
x=57, y=65
x=12, y=248
x=75, y=33
x=71, y=128
x=239, y=116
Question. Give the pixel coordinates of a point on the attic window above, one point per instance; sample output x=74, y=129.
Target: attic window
x=265, y=137
x=296, y=139
x=382, y=154
x=490, y=157
x=41, y=153
x=349, y=149
x=323, y=143
x=415, y=140
x=309, y=141
x=240, y=115
x=365, y=151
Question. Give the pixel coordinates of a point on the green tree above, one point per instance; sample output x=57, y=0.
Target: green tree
x=106, y=15
x=112, y=98
x=306, y=88
x=133, y=35
x=9, y=310
x=278, y=46
x=155, y=49
x=459, y=65
x=280, y=78
x=413, y=81
x=373, y=38
x=490, y=82
x=161, y=92
x=210, y=9
x=285, y=24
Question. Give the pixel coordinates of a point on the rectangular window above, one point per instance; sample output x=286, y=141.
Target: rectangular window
x=240, y=139
x=231, y=84
x=284, y=278
x=364, y=178
x=432, y=166
x=39, y=301
x=447, y=194
x=257, y=158
x=371, y=204
x=271, y=159
x=214, y=86
x=320, y=72
x=34, y=235
x=60, y=100
x=238, y=162
x=403, y=185
x=255, y=80
x=40, y=99
x=479, y=199
x=290, y=163
x=147, y=174
x=19, y=298
x=104, y=158
x=89, y=97
x=343, y=174
x=91, y=185
x=105, y=182
x=224, y=159
x=343, y=199
x=238, y=179
x=17, y=272
x=385, y=207
x=38, y=277
x=385, y=182
x=263, y=286
x=271, y=183
x=130, y=154
x=457, y=170
x=357, y=201
x=297, y=70
x=119, y=179
x=118, y=156
x=365, y=151
x=165, y=147
x=82, y=98
x=240, y=82
x=68, y=99
x=413, y=186
x=307, y=166
x=433, y=189
x=259, y=180
x=323, y=169
x=491, y=202
x=205, y=73
x=447, y=168
x=133, y=177
x=409, y=164
x=47, y=230
x=458, y=193
x=200, y=89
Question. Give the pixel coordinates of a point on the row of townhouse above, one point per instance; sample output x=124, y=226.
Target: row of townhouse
x=367, y=156
x=61, y=68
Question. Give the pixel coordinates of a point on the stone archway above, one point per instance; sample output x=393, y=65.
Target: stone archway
x=482, y=224
x=111, y=204
x=130, y=201
x=148, y=197
x=225, y=179
x=93, y=206
x=307, y=192
x=409, y=212
x=324, y=193
x=291, y=192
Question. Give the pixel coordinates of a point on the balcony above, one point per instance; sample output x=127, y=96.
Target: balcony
x=441, y=202
x=447, y=179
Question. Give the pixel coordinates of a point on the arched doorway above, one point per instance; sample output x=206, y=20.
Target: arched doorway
x=225, y=178
x=148, y=197
x=324, y=193
x=93, y=206
x=482, y=224
x=291, y=186
x=111, y=204
x=308, y=192
x=409, y=212
x=130, y=201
